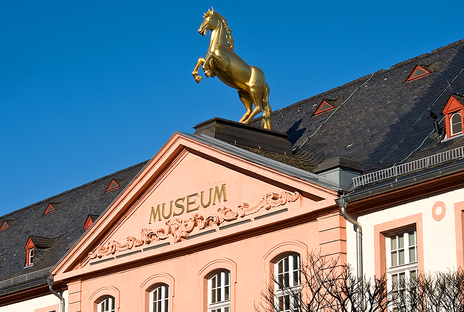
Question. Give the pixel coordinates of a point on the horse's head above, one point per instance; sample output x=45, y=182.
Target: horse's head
x=210, y=22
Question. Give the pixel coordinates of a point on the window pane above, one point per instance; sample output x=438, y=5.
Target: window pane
x=456, y=124
x=226, y=293
x=412, y=239
x=394, y=260
x=296, y=278
x=213, y=296
x=412, y=254
x=402, y=279
x=393, y=243
x=296, y=262
x=401, y=257
x=286, y=280
x=285, y=260
x=400, y=241
x=395, y=281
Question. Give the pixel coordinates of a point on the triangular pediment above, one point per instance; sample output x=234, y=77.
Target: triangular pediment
x=190, y=193
x=454, y=104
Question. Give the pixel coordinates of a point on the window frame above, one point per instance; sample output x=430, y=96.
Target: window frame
x=110, y=301
x=286, y=295
x=209, y=269
x=400, y=275
x=224, y=288
x=382, y=230
x=452, y=124
x=164, y=298
x=30, y=257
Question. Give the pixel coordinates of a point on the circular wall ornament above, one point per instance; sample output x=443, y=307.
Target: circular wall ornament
x=438, y=211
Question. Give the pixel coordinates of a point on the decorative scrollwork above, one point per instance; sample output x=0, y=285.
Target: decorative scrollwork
x=180, y=229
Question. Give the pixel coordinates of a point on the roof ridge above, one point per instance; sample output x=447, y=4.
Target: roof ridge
x=71, y=190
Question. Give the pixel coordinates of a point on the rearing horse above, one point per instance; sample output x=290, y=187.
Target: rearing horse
x=222, y=61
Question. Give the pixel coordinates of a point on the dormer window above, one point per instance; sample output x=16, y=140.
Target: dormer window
x=324, y=106
x=49, y=209
x=4, y=226
x=454, y=112
x=36, y=247
x=418, y=72
x=89, y=221
x=30, y=257
x=29, y=252
x=113, y=185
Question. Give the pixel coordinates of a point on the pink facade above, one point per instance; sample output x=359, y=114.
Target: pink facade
x=192, y=212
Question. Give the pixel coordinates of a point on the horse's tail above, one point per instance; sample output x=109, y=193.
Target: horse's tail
x=267, y=110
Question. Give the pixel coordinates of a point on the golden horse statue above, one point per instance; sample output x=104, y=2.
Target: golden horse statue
x=222, y=61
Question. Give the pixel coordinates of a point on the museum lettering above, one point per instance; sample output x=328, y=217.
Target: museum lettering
x=188, y=203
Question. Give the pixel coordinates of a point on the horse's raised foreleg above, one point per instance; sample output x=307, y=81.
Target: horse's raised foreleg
x=195, y=75
x=256, y=96
x=247, y=102
x=219, y=63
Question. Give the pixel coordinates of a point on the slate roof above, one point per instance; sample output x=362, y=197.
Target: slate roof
x=380, y=119
x=53, y=233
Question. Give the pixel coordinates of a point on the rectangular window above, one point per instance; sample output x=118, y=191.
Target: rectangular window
x=402, y=265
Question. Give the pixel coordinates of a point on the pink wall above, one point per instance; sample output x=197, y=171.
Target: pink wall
x=249, y=260
x=282, y=214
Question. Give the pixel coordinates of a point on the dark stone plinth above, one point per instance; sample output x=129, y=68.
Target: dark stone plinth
x=251, y=136
x=338, y=162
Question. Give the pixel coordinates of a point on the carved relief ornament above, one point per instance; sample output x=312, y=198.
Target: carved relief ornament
x=180, y=229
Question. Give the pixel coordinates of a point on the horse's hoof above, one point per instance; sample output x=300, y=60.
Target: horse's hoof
x=198, y=79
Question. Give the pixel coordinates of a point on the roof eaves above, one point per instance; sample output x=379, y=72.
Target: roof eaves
x=406, y=181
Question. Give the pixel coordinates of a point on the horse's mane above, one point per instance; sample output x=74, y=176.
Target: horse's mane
x=229, y=38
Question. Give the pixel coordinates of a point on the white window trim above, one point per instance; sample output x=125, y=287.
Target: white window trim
x=451, y=124
x=288, y=291
x=225, y=292
x=30, y=257
x=408, y=268
x=107, y=304
x=163, y=289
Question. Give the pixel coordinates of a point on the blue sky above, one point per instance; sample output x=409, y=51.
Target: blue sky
x=88, y=88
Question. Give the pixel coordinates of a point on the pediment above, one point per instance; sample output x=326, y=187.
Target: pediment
x=454, y=104
x=191, y=193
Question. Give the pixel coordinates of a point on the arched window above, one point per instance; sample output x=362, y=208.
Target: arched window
x=456, y=124
x=159, y=298
x=30, y=256
x=287, y=283
x=106, y=304
x=219, y=292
